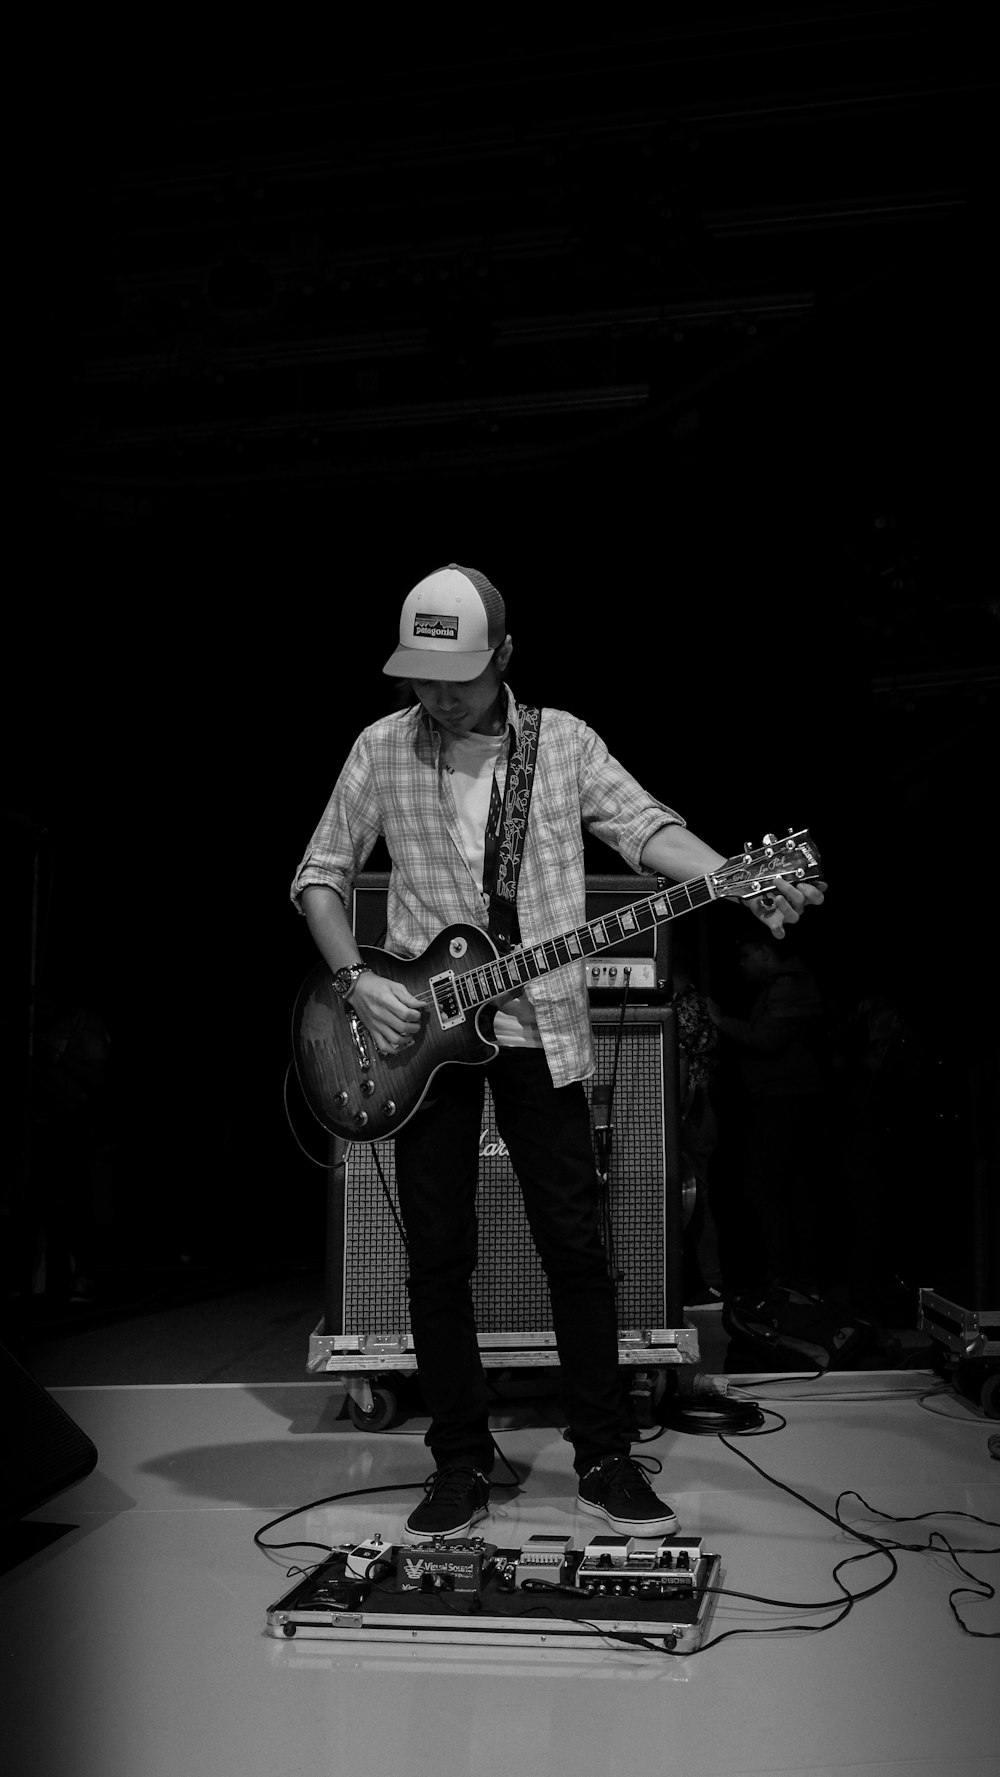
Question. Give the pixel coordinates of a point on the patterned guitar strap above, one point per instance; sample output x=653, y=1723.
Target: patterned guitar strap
x=507, y=827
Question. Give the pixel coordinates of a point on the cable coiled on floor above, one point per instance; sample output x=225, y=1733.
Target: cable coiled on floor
x=707, y=1415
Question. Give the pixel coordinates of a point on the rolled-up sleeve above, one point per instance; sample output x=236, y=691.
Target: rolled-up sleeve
x=613, y=804
x=347, y=830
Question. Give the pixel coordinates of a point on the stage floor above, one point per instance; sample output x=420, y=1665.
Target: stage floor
x=135, y=1646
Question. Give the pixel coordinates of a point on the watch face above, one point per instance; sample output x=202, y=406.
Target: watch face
x=344, y=979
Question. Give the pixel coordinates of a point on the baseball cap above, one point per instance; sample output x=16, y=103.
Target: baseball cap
x=449, y=626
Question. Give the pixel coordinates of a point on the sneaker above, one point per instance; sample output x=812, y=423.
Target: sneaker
x=454, y=1498
x=617, y=1488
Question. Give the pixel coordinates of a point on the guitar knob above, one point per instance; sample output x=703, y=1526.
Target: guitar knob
x=360, y=1119
x=367, y=1088
x=340, y=1098
x=389, y=1108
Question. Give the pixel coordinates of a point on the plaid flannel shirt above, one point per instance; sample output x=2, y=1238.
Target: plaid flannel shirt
x=393, y=785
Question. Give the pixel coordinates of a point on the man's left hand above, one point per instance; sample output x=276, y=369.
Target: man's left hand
x=785, y=904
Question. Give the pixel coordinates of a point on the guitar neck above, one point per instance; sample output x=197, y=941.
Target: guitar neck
x=532, y=962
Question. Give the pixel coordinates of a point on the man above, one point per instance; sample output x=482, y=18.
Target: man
x=431, y=780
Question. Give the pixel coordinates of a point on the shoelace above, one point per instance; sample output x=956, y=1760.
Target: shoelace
x=451, y=1483
x=630, y=1473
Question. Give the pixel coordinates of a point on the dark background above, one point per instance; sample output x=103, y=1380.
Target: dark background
x=684, y=333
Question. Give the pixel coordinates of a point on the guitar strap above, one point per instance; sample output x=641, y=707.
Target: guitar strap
x=509, y=828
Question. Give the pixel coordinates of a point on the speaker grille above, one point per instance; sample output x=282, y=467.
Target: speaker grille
x=509, y=1287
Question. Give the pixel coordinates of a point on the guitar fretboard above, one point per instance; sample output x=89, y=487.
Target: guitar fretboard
x=528, y=962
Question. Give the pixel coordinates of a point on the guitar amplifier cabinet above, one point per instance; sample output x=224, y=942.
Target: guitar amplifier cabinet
x=509, y=1288
x=366, y=1323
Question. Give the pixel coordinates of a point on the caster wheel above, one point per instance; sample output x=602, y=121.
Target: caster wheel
x=646, y=1393
x=382, y=1414
x=659, y=1386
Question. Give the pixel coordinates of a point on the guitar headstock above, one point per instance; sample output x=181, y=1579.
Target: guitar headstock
x=756, y=870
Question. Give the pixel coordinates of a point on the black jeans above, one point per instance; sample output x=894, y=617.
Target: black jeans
x=547, y=1134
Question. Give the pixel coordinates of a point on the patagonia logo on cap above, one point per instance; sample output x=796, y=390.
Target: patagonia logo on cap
x=450, y=626
x=436, y=629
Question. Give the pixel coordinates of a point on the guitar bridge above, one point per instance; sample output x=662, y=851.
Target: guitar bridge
x=446, y=1002
x=359, y=1035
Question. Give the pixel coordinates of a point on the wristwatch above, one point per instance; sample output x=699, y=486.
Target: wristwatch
x=344, y=979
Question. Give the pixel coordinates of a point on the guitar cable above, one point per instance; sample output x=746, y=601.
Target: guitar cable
x=602, y=1099
x=388, y=1197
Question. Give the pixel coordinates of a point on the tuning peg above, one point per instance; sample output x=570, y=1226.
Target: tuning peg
x=769, y=839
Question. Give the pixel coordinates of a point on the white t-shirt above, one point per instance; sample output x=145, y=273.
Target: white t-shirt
x=473, y=761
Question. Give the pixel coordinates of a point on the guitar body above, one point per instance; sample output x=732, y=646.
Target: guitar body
x=343, y=1077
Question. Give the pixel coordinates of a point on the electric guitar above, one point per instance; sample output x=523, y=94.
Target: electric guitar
x=361, y=1095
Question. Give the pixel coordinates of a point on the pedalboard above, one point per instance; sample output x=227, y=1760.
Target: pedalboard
x=544, y=1593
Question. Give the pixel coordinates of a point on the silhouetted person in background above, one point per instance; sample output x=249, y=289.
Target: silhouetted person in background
x=778, y=1162
x=886, y=1097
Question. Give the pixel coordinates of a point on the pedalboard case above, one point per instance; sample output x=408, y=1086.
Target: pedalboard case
x=964, y=1332
x=971, y=1341
x=658, y=1591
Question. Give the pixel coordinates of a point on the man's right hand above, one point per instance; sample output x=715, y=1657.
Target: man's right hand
x=388, y=1010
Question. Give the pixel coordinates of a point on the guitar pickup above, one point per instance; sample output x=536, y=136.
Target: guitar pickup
x=446, y=1001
